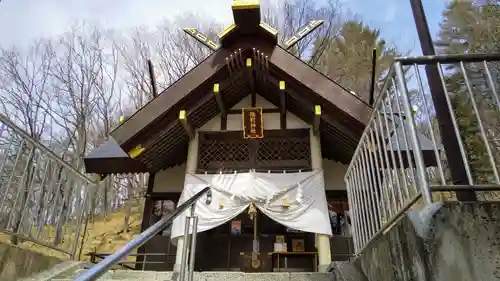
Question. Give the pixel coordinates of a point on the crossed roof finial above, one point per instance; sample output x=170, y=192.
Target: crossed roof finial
x=247, y=22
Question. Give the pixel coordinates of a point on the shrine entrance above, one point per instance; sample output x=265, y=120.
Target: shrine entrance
x=229, y=247
x=234, y=242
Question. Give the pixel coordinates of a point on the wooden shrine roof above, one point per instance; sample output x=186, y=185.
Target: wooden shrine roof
x=156, y=130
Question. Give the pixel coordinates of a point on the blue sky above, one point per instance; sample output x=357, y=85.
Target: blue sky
x=395, y=19
x=21, y=21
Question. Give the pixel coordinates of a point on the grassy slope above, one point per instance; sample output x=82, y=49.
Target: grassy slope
x=103, y=236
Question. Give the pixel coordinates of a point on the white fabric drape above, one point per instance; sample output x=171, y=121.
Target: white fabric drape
x=296, y=200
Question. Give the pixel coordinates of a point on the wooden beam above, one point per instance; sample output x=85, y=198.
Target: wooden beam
x=143, y=121
x=146, y=219
x=348, y=132
x=246, y=14
x=282, y=105
x=324, y=90
x=223, y=122
x=251, y=80
x=264, y=110
x=202, y=38
x=303, y=32
x=219, y=100
x=187, y=127
x=222, y=107
x=152, y=78
x=317, y=119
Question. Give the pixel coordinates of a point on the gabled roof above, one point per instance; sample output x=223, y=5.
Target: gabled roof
x=156, y=128
x=398, y=141
x=109, y=158
x=200, y=79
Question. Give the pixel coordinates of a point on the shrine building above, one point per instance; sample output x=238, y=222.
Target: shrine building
x=272, y=137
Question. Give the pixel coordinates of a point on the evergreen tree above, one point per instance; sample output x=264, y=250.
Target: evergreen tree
x=347, y=58
x=467, y=28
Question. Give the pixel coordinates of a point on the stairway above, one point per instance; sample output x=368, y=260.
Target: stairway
x=131, y=275
x=69, y=270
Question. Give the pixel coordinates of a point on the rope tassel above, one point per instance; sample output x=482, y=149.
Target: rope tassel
x=252, y=211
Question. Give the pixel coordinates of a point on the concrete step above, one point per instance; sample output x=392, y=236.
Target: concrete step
x=61, y=270
x=130, y=275
x=347, y=271
x=100, y=279
x=126, y=275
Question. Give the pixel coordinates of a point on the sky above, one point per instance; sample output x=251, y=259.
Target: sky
x=22, y=21
x=394, y=18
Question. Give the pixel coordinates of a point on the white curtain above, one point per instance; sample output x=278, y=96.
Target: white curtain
x=295, y=200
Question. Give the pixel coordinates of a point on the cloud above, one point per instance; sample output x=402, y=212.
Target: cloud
x=23, y=21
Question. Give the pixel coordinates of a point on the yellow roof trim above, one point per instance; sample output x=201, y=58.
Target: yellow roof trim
x=317, y=109
x=268, y=28
x=282, y=85
x=245, y=4
x=182, y=115
x=136, y=151
x=226, y=31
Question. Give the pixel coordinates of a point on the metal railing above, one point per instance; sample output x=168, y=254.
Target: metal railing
x=43, y=199
x=189, y=241
x=400, y=162
x=134, y=265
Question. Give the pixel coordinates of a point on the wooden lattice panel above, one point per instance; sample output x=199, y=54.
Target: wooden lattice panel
x=287, y=151
x=219, y=154
x=228, y=151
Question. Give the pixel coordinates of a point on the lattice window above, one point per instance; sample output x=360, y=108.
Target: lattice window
x=291, y=150
x=218, y=154
x=228, y=151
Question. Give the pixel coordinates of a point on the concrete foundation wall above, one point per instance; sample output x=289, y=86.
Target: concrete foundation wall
x=450, y=241
x=17, y=263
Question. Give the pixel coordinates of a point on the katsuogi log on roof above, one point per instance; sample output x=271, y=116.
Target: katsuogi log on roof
x=247, y=62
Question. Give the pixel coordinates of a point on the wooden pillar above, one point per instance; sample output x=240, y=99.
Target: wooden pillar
x=322, y=240
x=282, y=105
x=146, y=220
x=191, y=165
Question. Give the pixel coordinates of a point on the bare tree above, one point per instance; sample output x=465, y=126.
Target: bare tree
x=178, y=53
x=173, y=53
x=171, y=50
x=85, y=74
x=108, y=92
x=135, y=53
x=289, y=16
x=24, y=83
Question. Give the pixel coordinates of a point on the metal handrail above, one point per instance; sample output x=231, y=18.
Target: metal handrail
x=5, y=120
x=102, y=256
x=106, y=264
